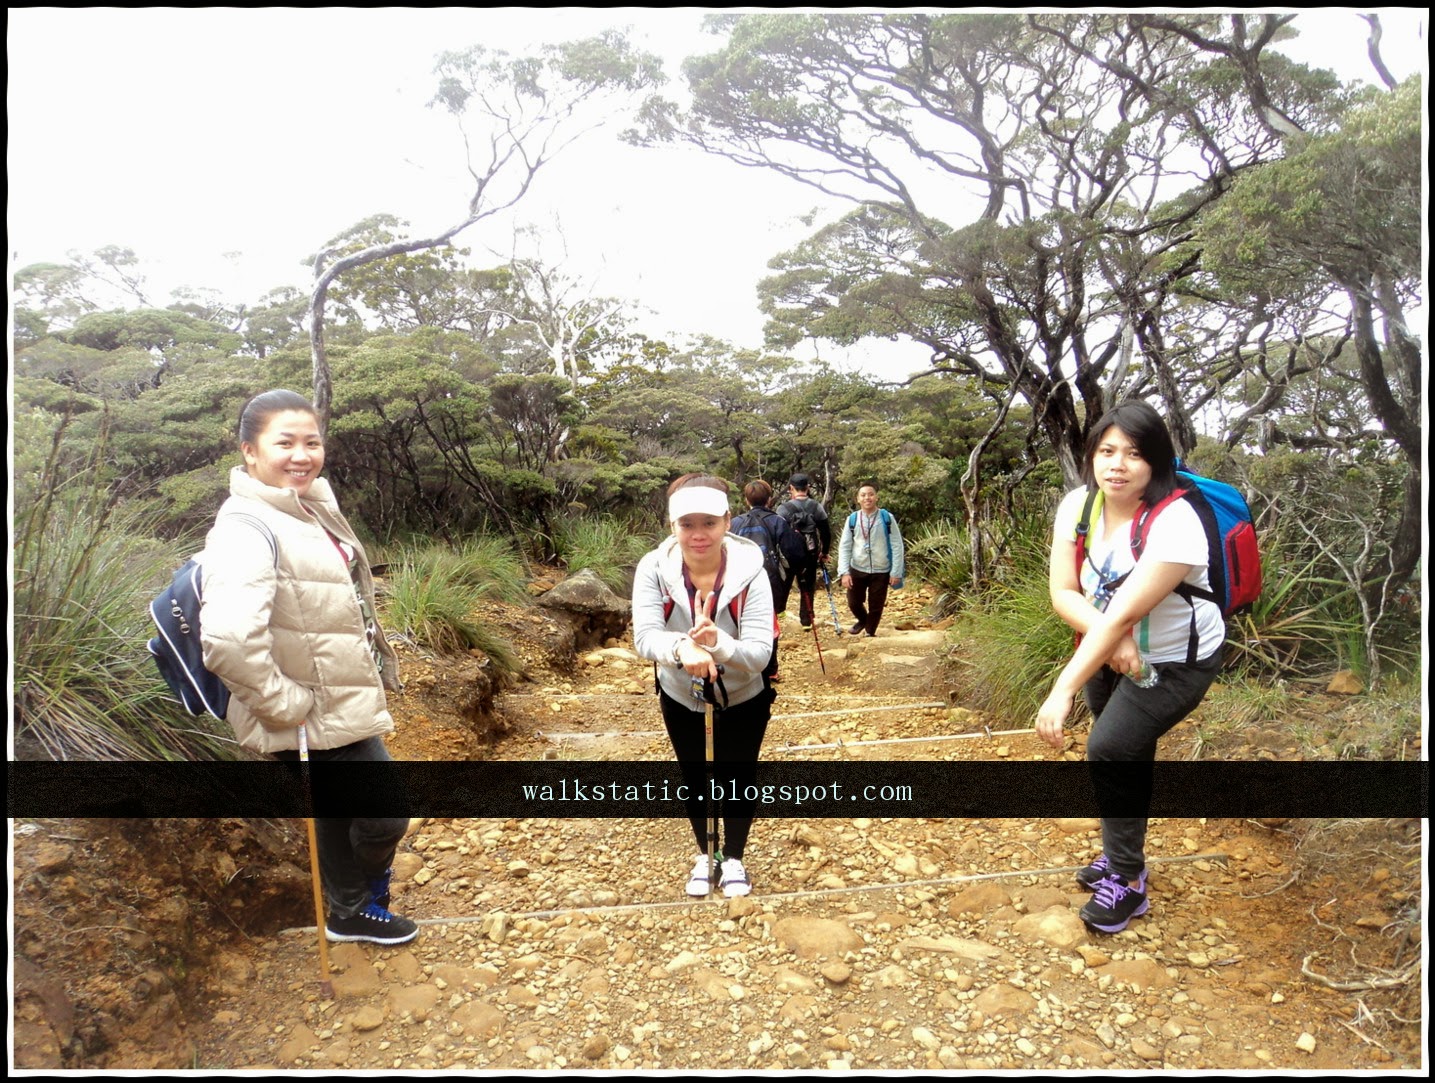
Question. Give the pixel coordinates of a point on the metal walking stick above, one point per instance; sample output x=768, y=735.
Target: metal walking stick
x=826, y=582
x=326, y=986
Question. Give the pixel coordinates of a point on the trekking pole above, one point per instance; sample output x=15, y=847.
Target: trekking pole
x=826, y=582
x=709, y=698
x=820, y=661
x=326, y=986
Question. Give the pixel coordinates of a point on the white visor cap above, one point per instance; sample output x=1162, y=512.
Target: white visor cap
x=697, y=500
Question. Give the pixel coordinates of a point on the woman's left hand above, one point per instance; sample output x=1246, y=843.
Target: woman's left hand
x=1052, y=717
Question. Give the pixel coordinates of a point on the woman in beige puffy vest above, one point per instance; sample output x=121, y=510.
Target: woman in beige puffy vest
x=290, y=629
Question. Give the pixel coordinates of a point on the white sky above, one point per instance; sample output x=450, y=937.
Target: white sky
x=223, y=145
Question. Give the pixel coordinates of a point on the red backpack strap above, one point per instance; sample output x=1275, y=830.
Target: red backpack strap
x=1141, y=525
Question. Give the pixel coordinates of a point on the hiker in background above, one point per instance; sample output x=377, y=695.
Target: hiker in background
x=871, y=557
x=1147, y=654
x=702, y=612
x=294, y=638
x=783, y=550
x=806, y=516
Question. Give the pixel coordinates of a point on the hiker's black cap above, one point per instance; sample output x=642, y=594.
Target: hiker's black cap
x=799, y=481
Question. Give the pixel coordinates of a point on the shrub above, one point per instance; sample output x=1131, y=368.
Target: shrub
x=941, y=555
x=434, y=595
x=607, y=546
x=1012, y=640
x=86, y=568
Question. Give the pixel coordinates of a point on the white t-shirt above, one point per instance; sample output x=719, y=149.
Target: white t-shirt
x=1175, y=537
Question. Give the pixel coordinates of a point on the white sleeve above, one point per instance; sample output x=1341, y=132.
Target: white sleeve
x=1177, y=537
x=1067, y=513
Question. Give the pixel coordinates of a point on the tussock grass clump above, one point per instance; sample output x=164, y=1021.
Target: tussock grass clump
x=1012, y=640
x=86, y=569
x=609, y=547
x=435, y=597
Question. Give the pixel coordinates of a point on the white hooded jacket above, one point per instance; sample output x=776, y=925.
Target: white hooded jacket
x=744, y=644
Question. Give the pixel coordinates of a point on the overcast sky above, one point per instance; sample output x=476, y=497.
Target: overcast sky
x=223, y=145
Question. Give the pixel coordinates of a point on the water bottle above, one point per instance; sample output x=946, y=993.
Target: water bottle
x=1148, y=676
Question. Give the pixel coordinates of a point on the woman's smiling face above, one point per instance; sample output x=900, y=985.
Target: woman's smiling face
x=289, y=453
x=1120, y=469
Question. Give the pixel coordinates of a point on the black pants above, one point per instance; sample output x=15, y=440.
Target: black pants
x=1122, y=747
x=737, y=739
x=867, y=597
x=806, y=579
x=355, y=850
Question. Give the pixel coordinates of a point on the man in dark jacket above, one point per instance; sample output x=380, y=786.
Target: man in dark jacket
x=783, y=550
x=806, y=516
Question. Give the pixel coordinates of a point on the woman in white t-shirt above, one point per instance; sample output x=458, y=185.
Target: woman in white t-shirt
x=1147, y=654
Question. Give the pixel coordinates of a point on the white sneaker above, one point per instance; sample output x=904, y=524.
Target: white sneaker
x=734, y=880
x=698, y=882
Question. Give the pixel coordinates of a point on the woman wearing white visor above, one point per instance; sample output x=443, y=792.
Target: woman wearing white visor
x=702, y=611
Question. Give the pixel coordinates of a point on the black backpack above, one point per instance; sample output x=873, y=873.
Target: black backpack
x=177, y=650
x=780, y=546
x=805, y=523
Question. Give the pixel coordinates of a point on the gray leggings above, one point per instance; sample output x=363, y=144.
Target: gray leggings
x=1122, y=746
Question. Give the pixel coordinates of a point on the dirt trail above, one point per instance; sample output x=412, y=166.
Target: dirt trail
x=867, y=944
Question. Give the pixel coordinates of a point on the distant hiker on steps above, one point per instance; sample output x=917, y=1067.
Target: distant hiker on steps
x=809, y=519
x=782, y=548
x=870, y=558
x=702, y=612
x=293, y=636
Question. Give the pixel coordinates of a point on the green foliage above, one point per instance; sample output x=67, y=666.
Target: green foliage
x=1011, y=638
x=491, y=564
x=435, y=597
x=1296, y=624
x=607, y=546
x=909, y=480
x=939, y=553
x=147, y=329
x=85, y=570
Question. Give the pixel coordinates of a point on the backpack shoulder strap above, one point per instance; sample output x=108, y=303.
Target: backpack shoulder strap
x=1141, y=525
x=1083, y=526
x=259, y=525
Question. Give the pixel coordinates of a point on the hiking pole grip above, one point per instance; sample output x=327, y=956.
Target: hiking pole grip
x=326, y=986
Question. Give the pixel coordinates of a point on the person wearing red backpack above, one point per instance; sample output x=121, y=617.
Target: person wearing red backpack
x=783, y=549
x=1149, y=643
x=702, y=612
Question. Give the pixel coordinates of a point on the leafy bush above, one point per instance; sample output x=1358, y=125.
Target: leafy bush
x=1011, y=638
x=609, y=547
x=85, y=571
x=435, y=595
x=941, y=555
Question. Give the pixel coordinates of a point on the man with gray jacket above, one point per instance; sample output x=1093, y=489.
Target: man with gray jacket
x=870, y=558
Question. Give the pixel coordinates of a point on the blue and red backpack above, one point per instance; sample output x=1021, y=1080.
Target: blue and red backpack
x=1234, y=564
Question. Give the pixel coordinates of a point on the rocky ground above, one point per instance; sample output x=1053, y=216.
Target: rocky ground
x=867, y=944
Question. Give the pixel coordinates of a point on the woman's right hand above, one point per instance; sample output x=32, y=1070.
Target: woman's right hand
x=696, y=661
